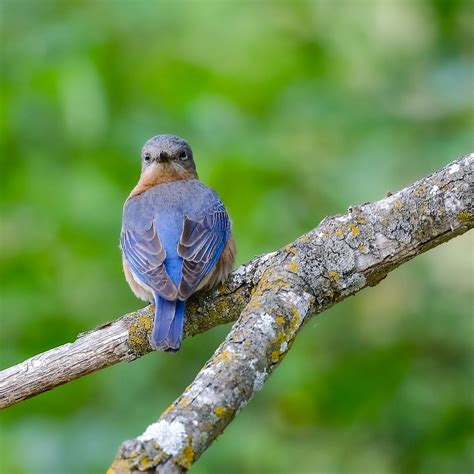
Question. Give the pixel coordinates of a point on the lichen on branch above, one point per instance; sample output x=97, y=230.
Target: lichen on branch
x=279, y=292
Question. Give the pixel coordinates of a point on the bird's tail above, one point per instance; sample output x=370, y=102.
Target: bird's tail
x=168, y=326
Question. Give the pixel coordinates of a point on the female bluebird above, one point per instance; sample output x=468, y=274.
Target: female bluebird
x=176, y=236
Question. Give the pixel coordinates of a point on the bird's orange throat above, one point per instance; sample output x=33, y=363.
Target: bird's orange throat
x=163, y=174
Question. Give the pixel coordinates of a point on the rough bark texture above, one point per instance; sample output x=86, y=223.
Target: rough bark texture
x=274, y=295
x=343, y=255
x=125, y=339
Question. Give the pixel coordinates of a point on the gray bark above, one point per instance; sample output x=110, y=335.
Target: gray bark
x=126, y=338
x=343, y=255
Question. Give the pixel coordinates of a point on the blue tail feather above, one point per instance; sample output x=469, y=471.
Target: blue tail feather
x=168, y=325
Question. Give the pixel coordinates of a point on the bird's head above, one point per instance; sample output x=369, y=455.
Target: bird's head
x=167, y=158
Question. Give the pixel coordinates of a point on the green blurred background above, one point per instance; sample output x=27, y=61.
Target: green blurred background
x=295, y=110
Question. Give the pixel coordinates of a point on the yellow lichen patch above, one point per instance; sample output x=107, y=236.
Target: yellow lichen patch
x=361, y=220
x=294, y=324
x=420, y=190
x=258, y=291
x=170, y=408
x=361, y=247
x=145, y=463
x=305, y=238
x=222, y=306
x=397, y=204
x=329, y=294
x=138, y=334
x=339, y=232
x=183, y=401
x=275, y=356
x=187, y=457
x=267, y=284
x=145, y=322
x=220, y=411
x=255, y=303
x=280, y=337
x=384, y=221
x=464, y=216
x=293, y=267
x=271, y=285
x=334, y=276
x=296, y=313
x=280, y=319
x=355, y=230
x=118, y=466
x=224, y=356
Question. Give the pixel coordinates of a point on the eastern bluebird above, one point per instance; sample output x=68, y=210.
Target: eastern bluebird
x=176, y=236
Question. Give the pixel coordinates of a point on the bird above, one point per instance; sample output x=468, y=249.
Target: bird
x=176, y=237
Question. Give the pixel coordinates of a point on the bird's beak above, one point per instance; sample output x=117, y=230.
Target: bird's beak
x=163, y=157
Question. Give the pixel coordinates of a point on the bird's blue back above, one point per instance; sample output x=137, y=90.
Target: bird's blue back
x=166, y=205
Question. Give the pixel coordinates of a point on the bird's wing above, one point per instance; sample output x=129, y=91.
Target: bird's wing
x=201, y=244
x=145, y=255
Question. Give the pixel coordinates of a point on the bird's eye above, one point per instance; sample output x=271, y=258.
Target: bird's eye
x=183, y=156
x=147, y=158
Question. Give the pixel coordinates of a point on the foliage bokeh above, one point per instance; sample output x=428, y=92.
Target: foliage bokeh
x=295, y=110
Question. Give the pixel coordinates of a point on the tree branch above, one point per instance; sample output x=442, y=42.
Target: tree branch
x=274, y=294
x=126, y=338
x=343, y=255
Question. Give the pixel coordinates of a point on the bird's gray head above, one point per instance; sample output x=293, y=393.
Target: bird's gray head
x=168, y=155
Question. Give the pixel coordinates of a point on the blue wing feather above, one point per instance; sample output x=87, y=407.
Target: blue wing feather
x=146, y=256
x=201, y=244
